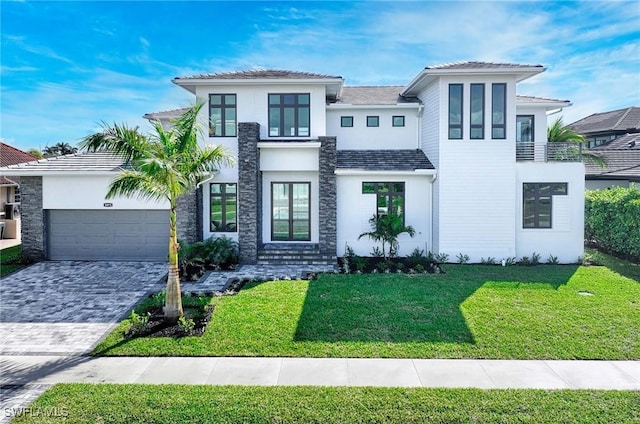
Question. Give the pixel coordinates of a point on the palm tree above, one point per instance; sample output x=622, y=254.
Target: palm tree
x=386, y=229
x=560, y=133
x=163, y=166
x=59, y=149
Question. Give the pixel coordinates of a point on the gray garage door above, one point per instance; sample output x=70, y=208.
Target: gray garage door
x=108, y=235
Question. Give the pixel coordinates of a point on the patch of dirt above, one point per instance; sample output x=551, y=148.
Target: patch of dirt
x=158, y=327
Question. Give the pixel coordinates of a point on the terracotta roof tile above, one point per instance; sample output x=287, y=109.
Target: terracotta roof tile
x=9, y=155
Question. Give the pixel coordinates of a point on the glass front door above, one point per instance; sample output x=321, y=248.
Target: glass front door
x=290, y=211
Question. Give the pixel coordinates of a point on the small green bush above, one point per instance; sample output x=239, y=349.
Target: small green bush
x=612, y=219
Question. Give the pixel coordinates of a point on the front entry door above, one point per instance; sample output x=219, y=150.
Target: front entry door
x=290, y=211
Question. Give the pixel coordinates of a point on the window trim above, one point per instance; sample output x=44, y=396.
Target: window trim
x=342, y=121
x=459, y=126
x=495, y=125
x=473, y=126
x=390, y=194
x=223, y=195
x=281, y=106
x=393, y=120
x=223, y=113
x=376, y=117
x=538, y=194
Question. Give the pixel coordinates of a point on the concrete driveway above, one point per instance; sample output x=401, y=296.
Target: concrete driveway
x=66, y=307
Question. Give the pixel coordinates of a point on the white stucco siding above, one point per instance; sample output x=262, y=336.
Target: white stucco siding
x=430, y=142
x=477, y=199
x=269, y=177
x=566, y=237
x=87, y=192
x=385, y=136
x=355, y=209
x=289, y=158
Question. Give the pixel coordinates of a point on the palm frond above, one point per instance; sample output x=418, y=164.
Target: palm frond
x=137, y=184
x=187, y=130
x=119, y=139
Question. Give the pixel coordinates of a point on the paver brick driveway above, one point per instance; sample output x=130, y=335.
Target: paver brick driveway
x=66, y=307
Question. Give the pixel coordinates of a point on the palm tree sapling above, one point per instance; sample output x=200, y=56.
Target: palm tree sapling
x=386, y=229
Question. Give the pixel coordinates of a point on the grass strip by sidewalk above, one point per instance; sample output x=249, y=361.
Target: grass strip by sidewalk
x=10, y=259
x=540, y=312
x=104, y=403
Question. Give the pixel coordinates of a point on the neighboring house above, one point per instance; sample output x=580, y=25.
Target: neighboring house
x=10, y=191
x=615, y=136
x=455, y=152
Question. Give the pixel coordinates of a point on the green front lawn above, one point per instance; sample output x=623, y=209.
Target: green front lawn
x=470, y=312
x=104, y=403
x=10, y=259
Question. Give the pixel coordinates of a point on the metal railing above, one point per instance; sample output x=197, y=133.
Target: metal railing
x=549, y=152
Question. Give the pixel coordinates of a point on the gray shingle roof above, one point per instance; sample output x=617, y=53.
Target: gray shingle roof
x=261, y=74
x=480, y=65
x=623, y=142
x=374, y=95
x=615, y=120
x=622, y=163
x=93, y=162
x=383, y=160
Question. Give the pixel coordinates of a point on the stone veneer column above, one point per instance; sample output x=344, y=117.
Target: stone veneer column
x=328, y=196
x=189, y=210
x=249, y=192
x=33, y=226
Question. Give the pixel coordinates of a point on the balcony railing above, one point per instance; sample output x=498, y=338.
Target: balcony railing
x=549, y=152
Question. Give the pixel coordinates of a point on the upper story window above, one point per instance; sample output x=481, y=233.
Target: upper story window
x=477, y=112
x=455, y=111
x=498, y=110
x=223, y=207
x=524, y=128
x=389, y=197
x=346, y=121
x=398, y=121
x=537, y=203
x=373, y=121
x=289, y=115
x=222, y=115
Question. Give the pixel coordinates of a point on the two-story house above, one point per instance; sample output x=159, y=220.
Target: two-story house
x=455, y=152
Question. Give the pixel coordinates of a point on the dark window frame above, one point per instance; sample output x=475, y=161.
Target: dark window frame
x=473, y=126
x=540, y=192
x=342, y=121
x=393, y=120
x=224, y=107
x=376, y=117
x=533, y=128
x=460, y=111
x=290, y=184
x=223, y=195
x=390, y=193
x=281, y=105
x=494, y=124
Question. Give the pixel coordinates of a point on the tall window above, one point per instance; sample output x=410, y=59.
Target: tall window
x=224, y=207
x=222, y=115
x=389, y=197
x=498, y=110
x=289, y=115
x=455, y=111
x=524, y=128
x=477, y=112
x=537, y=203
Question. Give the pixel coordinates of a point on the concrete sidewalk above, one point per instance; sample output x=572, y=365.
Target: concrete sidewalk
x=485, y=374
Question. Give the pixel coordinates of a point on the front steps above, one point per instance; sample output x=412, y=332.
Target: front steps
x=293, y=254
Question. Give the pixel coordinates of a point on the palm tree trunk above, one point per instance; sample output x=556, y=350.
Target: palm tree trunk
x=173, y=302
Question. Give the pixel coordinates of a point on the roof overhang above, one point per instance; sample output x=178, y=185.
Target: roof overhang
x=333, y=85
x=343, y=106
x=346, y=171
x=429, y=75
x=57, y=173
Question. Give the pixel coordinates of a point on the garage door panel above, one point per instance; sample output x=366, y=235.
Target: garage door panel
x=108, y=235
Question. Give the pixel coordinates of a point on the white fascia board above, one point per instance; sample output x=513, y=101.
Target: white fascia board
x=431, y=172
x=344, y=106
x=289, y=145
x=190, y=84
x=36, y=173
x=548, y=105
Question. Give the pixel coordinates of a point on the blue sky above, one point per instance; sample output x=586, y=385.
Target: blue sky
x=67, y=66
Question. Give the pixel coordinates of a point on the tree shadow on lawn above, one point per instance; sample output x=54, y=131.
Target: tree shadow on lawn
x=410, y=308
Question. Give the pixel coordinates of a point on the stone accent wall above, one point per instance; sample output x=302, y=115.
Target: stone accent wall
x=328, y=196
x=33, y=219
x=188, y=219
x=249, y=192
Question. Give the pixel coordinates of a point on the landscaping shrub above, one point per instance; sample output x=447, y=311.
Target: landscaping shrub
x=212, y=254
x=612, y=220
